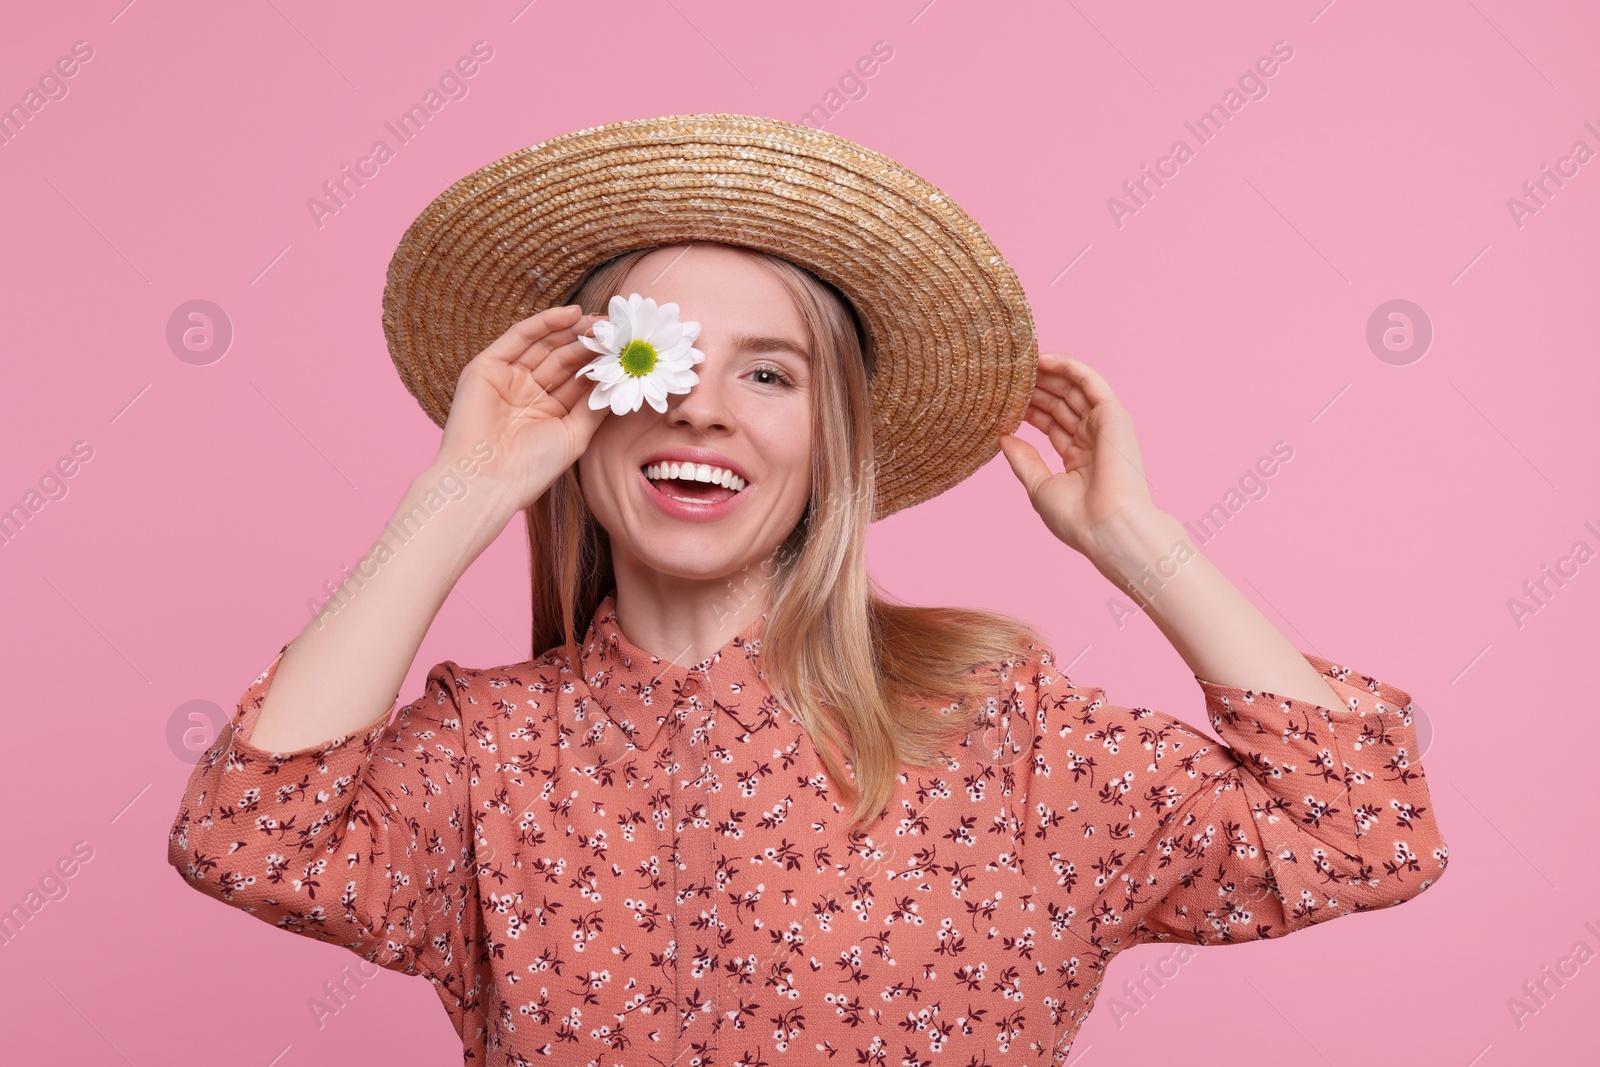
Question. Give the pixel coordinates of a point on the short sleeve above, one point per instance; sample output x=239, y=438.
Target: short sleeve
x=362, y=841
x=1299, y=814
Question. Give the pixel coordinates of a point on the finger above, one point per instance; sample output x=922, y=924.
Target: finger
x=1060, y=406
x=1026, y=463
x=1086, y=378
x=520, y=336
x=573, y=393
x=1056, y=362
x=555, y=339
x=584, y=419
x=556, y=358
x=1052, y=385
x=1058, y=368
x=1063, y=440
x=1063, y=414
x=1076, y=411
x=569, y=395
x=1042, y=418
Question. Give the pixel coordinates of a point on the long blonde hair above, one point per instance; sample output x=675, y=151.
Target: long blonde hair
x=876, y=682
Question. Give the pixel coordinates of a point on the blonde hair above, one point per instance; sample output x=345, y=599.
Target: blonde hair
x=861, y=672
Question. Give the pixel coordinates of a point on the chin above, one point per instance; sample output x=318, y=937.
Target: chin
x=694, y=564
x=698, y=557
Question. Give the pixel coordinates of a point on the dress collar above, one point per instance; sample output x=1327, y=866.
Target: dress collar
x=641, y=692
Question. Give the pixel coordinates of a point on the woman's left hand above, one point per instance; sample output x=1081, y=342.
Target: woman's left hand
x=1103, y=480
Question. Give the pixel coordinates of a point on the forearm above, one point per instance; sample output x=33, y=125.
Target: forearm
x=1220, y=635
x=346, y=667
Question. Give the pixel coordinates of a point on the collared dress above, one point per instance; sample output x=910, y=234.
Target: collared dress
x=632, y=861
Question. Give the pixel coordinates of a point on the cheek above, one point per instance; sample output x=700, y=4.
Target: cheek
x=797, y=469
x=783, y=437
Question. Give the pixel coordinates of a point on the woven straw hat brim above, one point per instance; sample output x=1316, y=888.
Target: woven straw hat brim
x=944, y=316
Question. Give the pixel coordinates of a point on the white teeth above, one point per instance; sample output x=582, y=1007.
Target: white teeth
x=700, y=472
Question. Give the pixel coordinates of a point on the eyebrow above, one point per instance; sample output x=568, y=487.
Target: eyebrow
x=754, y=343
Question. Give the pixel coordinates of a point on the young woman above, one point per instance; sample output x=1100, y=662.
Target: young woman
x=740, y=807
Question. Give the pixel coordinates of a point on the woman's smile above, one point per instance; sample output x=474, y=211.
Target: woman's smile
x=694, y=473
x=682, y=496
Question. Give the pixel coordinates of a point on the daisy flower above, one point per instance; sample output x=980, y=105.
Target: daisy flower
x=645, y=353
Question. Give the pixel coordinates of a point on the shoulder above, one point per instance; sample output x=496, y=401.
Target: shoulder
x=1030, y=666
x=499, y=688
x=1081, y=715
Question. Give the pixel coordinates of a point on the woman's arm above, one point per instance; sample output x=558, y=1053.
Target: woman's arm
x=357, y=841
x=1100, y=505
x=1150, y=830
x=346, y=666
x=518, y=419
x=1221, y=636
x=311, y=811
x=1315, y=804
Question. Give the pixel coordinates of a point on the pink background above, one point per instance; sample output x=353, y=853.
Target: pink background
x=1229, y=312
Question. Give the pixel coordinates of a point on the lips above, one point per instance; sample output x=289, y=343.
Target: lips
x=698, y=502
x=696, y=477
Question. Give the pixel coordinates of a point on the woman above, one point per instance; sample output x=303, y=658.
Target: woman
x=742, y=807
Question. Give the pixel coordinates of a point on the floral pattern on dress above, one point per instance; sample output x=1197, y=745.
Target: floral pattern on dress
x=634, y=861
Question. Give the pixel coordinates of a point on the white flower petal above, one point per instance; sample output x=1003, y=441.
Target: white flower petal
x=680, y=381
x=674, y=352
x=686, y=360
x=621, y=317
x=678, y=374
x=644, y=321
x=626, y=395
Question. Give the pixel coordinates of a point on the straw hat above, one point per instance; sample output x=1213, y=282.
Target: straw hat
x=948, y=331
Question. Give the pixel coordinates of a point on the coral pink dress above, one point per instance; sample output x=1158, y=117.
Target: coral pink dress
x=628, y=861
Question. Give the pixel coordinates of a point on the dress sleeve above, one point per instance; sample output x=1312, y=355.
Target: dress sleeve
x=362, y=841
x=1302, y=813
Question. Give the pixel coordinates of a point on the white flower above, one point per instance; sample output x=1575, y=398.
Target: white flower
x=645, y=353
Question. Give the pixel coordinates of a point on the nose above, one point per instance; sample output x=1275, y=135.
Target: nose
x=704, y=407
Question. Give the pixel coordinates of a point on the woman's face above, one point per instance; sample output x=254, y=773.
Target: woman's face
x=750, y=413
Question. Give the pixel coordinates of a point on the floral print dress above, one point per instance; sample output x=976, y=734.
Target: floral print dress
x=629, y=861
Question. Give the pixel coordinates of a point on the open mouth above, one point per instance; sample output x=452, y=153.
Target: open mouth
x=694, y=483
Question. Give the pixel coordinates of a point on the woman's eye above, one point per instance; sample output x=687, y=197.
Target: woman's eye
x=775, y=376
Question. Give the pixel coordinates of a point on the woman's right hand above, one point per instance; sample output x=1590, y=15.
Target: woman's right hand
x=522, y=397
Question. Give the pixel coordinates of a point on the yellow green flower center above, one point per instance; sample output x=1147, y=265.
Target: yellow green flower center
x=639, y=358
